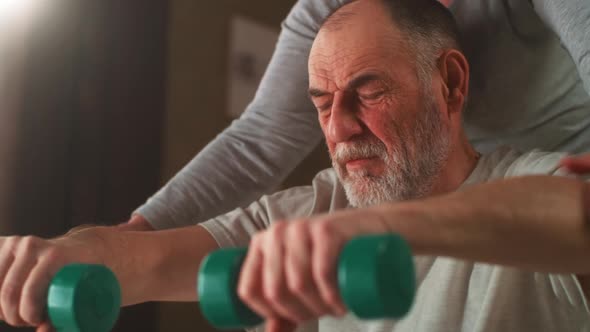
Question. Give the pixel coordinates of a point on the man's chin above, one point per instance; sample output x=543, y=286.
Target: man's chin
x=366, y=191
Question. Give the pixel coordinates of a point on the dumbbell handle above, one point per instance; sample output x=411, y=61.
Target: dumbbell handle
x=376, y=279
x=84, y=298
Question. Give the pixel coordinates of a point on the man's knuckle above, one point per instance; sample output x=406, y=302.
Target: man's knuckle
x=12, y=244
x=275, y=294
x=53, y=255
x=28, y=244
x=323, y=272
x=10, y=293
x=277, y=231
x=297, y=284
x=256, y=240
x=331, y=297
x=245, y=292
x=322, y=230
x=298, y=230
x=30, y=313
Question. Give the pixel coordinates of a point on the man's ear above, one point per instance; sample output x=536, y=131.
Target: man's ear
x=454, y=71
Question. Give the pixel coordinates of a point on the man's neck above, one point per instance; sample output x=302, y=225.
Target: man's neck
x=460, y=164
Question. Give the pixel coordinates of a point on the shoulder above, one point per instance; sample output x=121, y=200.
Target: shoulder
x=325, y=194
x=536, y=162
x=506, y=162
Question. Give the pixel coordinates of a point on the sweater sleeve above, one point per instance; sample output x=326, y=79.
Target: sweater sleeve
x=256, y=152
x=570, y=20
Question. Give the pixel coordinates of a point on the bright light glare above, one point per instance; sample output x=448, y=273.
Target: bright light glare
x=14, y=7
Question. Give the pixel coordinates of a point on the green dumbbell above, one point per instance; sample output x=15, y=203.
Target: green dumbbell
x=376, y=279
x=84, y=298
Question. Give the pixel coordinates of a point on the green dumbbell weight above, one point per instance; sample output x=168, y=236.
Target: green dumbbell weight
x=84, y=298
x=376, y=279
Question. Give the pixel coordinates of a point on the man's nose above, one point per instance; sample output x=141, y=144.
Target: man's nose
x=344, y=122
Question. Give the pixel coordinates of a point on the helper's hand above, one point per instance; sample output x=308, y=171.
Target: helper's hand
x=580, y=165
x=577, y=164
x=27, y=265
x=289, y=274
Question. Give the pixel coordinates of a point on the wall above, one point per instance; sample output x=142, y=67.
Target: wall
x=196, y=98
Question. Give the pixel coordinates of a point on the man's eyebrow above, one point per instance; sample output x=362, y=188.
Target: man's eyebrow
x=361, y=80
x=315, y=92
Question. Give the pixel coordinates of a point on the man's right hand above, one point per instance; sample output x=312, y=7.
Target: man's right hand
x=27, y=266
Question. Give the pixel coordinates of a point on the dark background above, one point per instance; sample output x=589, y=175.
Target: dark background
x=107, y=101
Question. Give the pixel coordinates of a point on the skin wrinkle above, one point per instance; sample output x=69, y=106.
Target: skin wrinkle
x=364, y=63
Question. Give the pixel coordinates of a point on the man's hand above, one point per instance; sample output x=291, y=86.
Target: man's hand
x=27, y=266
x=289, y=274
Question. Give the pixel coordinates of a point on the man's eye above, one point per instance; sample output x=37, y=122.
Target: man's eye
x=324, y=107
x=371, y=96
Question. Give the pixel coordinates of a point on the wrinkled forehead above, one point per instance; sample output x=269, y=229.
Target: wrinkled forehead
x=358, y=35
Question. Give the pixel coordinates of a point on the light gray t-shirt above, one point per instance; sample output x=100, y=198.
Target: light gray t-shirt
x=453, y=295
x=528, y=69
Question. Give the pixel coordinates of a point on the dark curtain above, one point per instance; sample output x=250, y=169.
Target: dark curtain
x=90, y=110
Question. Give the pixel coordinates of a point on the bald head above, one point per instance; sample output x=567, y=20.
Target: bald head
x=426, y=26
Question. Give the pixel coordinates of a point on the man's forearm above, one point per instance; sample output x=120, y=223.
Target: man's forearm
x=536, y=222
x=155, y=266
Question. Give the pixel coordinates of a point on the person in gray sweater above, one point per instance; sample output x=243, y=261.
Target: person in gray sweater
x=530, y=89
x=390, y=84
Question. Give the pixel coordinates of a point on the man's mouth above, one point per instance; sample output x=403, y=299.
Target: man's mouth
x=360, y=163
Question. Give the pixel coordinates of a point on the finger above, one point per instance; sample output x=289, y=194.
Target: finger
x=324, y=260
x=10, y=293
x=274, y=281
x=34, y=294
x=298, y=270
x=577, y=165
x=45, y=327
x=250, y=283
x=279, y=325
x=6, y=260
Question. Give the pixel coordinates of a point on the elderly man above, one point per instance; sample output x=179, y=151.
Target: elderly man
x=390, y=84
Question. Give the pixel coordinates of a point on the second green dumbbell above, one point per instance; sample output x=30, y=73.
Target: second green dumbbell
x=376, y=279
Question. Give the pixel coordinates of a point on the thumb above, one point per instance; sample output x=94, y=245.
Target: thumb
x=279, y=325
x=45, y=327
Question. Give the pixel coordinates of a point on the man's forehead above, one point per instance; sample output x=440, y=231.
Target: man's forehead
x=338, y=68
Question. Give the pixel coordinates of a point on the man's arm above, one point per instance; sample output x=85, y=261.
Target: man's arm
x=157, y=266
x=150, y=266
x=538, y=223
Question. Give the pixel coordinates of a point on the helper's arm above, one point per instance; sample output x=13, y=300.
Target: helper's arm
x=536, y=222
x=252, y=156
x=570, y=20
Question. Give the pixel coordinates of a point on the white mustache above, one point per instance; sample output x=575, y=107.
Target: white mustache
x=351, y=151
